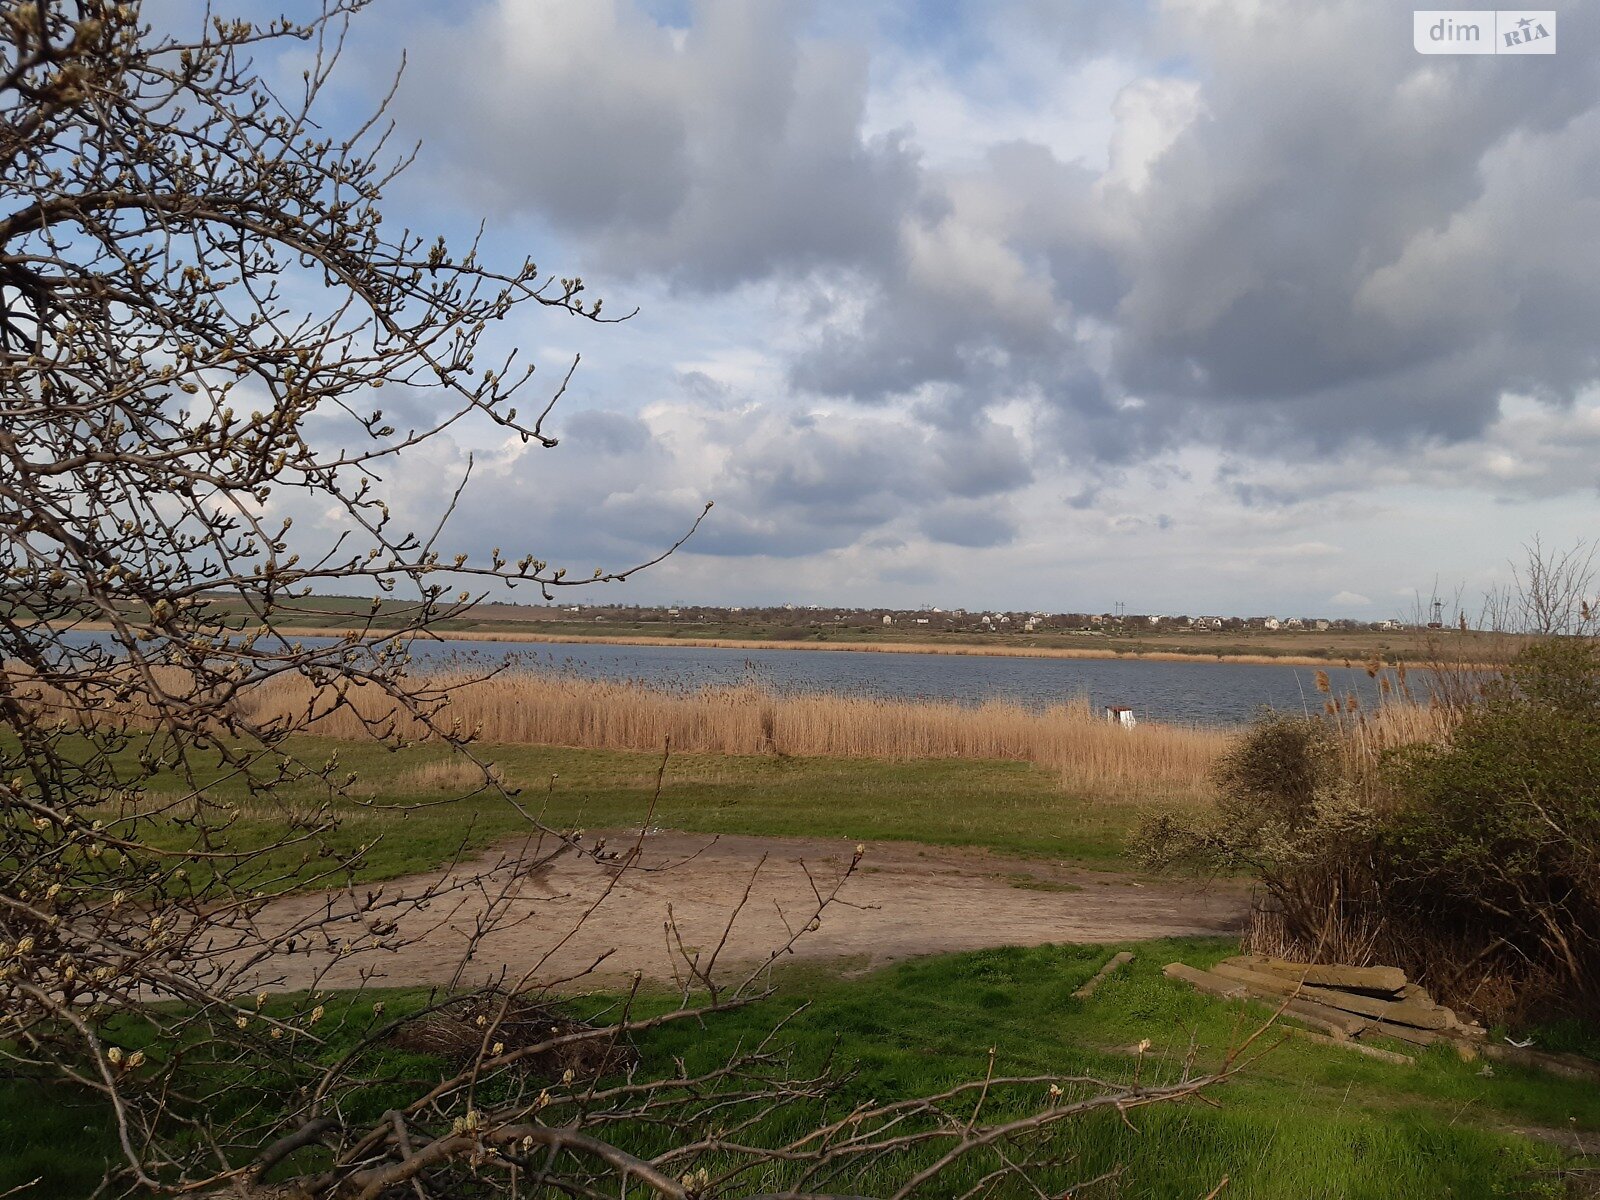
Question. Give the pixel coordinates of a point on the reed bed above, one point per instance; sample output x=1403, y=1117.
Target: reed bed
x=1399, y=717
x=1153, y=761
x=1089, y=753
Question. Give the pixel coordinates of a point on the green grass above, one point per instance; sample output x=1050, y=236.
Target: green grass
x=1009, y=807
x=1304, y=1122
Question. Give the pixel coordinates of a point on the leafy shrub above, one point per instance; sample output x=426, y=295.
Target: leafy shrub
x=1287, y=814
x=1473, y=862
x=1497, y=838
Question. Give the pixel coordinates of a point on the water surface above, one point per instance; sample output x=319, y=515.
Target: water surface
x=1202, y=691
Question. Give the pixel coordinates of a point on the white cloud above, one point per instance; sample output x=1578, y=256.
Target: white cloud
x=1286, y=325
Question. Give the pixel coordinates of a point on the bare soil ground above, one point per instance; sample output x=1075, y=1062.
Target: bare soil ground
x=576, y=912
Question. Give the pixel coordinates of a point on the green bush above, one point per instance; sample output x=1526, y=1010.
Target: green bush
x=1496, y=839
x=1475, y=864
x=1286, y=814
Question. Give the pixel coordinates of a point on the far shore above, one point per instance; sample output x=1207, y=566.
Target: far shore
x=477, y=635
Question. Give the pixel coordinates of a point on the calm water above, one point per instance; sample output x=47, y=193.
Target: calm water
x=1208, y=692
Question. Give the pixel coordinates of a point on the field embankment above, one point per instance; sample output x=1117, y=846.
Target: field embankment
x=1249, y=647
x=978, y=649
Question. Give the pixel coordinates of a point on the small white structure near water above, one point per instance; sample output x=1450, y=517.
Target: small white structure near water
x=1121, y=714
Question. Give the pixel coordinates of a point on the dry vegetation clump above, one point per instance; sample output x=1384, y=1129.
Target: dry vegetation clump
x=1365, y=734
x=461, y=1029
x=456, y=776
x=522, y=708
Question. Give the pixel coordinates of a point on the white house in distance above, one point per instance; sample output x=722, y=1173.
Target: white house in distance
x=1121, y=714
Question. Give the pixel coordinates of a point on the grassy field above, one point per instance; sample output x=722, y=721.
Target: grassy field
x=1012, y=807
x=1304, y=1122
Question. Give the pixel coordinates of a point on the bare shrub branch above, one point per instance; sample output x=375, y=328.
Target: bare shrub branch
x=206, y=326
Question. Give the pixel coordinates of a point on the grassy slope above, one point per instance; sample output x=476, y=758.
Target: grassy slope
x=1306, y=1121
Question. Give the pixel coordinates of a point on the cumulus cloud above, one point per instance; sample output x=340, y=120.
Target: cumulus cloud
x=713, y=154
x=982, y=280
x=1311, y=236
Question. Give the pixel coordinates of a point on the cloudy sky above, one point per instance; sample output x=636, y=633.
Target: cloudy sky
x=1200, y=305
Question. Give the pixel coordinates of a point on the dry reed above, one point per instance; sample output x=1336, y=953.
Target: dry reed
x=1150, y=761
x=1367, y=733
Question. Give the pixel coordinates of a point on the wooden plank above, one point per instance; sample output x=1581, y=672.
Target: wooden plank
x=1398, y=1012
x=1388, y=1056
x=1118, y=961
x=1385, y=982
x=1204, y=981
x=1329, y=1020
x=1404, y=1033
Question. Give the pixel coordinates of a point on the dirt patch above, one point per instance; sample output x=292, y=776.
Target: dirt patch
x=580, y=913
x=1570, y=1141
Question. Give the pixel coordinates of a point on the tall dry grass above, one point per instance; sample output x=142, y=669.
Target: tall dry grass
x=1400, y=717
x=452, y=775
x=1152, y=761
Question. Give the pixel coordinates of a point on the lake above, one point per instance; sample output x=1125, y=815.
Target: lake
x=1205, y=692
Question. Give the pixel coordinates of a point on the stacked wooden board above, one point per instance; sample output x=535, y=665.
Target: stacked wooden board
x=1351, y=1005
x=1341, y=1002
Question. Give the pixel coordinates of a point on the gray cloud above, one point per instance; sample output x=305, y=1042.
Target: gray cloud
x=622, y=487
x=612, y=433
x=1317, y=236
x=1346, y=238
x=1306, y=251
x=967, y=524
x=712, y=155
